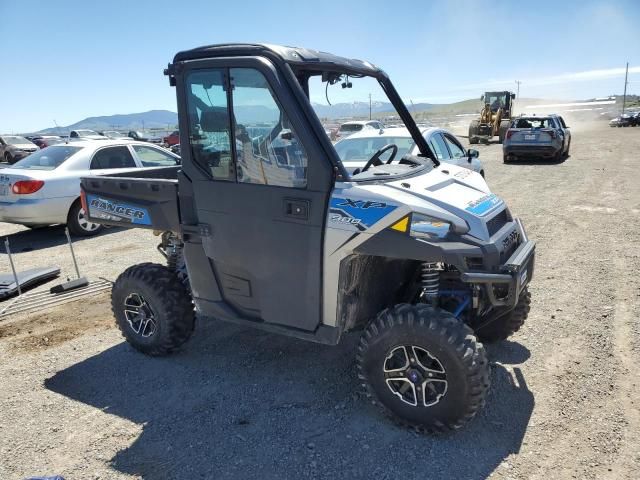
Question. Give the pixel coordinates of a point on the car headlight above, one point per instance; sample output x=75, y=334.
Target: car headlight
x=429, y=228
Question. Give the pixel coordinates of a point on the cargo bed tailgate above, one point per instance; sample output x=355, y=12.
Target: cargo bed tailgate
x=132, y=202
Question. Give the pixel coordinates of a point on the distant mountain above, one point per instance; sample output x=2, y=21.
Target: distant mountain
x=361, y=109
x=157, y=119
x=164, y=119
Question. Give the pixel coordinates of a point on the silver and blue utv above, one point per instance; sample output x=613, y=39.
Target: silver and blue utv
x=263, y=226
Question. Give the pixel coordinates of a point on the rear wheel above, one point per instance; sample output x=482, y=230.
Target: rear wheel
x=505, y=326
x=473, y=132
x=79, y=223
x=423, y=367
x=559, y=155
x=566, y=154
x=153, y=309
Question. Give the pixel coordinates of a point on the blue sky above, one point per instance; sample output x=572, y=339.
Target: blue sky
x=68, y=60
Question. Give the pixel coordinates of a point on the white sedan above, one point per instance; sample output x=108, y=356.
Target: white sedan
x=357, y=149
x=44, y=188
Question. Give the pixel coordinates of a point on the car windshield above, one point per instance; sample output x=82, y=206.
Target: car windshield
x=362, y=149
x=49, y=158
x=83, y=133
x=533, y=122
x=348, y=99
x=15, y=140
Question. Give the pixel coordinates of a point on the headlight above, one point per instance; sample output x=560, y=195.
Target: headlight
x=429, y=228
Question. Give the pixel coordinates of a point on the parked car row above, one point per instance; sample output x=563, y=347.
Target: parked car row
x=44, y=188
x=626, y=120
x=16, y=147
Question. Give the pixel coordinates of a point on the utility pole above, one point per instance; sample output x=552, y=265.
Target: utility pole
x=518, y=82
x=369, y=106
x=624, y=97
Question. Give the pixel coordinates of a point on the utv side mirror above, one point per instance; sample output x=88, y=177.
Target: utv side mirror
x=513, y=96
x=286, y=136
x=482, y=98
x=472, y=153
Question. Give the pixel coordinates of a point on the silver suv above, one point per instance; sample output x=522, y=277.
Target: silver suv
x=546, y=136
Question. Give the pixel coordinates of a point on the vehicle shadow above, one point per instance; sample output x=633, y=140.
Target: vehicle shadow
x=35, y=239
x=240, y=403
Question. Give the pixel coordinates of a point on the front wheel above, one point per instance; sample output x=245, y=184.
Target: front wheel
x=153, y=309
x=423, y=367
x=503, y=327
x=79, y=223
x=473, y=132
x=8, y=158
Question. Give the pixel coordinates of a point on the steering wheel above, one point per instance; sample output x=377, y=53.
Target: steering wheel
x=378, y=154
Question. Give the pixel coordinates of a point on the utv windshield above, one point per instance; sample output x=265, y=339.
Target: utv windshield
x=369, y=153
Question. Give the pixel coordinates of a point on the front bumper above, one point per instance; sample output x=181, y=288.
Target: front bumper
x=531, y=150
x=503, y=289
x=20, y=154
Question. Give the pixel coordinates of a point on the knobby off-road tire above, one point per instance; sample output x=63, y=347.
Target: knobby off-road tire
x=434, y=339
x=153, y=309
x=503, y=327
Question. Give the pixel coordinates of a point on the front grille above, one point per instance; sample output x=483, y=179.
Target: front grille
x=497, y=222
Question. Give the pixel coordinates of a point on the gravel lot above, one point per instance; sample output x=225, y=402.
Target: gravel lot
x=239, y=403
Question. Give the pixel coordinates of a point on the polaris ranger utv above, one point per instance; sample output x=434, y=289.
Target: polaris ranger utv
x=263, y=226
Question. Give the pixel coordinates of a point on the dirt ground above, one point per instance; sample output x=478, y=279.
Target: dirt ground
x=237, y=403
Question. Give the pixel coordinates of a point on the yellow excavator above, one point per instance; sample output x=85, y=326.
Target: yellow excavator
x=494, y=118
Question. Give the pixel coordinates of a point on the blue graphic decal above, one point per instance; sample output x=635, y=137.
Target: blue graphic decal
x=483, y=205
x=106, y=209
x=361, y=213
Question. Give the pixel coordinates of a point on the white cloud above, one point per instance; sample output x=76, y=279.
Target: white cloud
x=596, y=75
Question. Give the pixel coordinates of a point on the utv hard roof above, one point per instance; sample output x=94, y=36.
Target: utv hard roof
x=298, y=57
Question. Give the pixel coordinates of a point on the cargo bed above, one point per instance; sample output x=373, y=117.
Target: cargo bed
x=136, y=198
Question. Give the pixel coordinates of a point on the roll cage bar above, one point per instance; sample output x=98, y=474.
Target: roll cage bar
x=300, y=64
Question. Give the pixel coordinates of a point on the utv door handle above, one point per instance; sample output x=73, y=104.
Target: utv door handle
x=297, y=208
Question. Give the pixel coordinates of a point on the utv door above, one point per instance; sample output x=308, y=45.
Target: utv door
x=259, y=183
